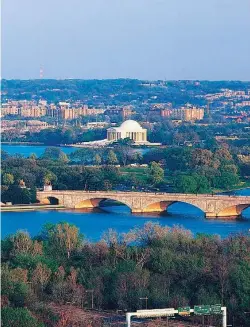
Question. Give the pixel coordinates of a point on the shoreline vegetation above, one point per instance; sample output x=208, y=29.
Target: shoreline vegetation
x=178, y=169
x=169, y=266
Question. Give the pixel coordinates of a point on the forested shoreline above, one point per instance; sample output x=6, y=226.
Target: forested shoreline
x=168, y=265
x=177, y=169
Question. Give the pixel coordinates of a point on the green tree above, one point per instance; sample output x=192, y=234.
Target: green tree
x=83, y=156
x=49, y=178
x=40, y=276
x=203, y=185
x=226, y=180
x=178, y=158
x=192, y=184
x=137, y=157
x=185, y=184
x=21, y=317
x=201, y=157
x=54, y=153
x=8, y=179
x=17, y=195
x=123, y=152
x=63, y=237
x=63, y=157
x=112, y=158
x=97, y=159
x=156, y=173
x=33, y=156
x=4, y=155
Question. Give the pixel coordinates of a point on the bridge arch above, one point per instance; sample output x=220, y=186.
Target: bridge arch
x=95, y=202
x=232, y=211
x=50, y=200
x=161, y=206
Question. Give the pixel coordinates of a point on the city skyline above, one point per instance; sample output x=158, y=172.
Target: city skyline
x=134, y=39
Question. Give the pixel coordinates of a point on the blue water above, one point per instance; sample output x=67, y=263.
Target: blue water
x=38, y=150
x=94, y=224
x=27, y=150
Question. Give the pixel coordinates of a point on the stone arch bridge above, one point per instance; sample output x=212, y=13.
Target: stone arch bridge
x=213, y=206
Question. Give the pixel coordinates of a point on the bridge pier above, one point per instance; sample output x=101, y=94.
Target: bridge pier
x=154, y=207
x=233, y=212
x=214, y=206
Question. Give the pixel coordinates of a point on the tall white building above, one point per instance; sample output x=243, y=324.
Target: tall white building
x=128, y=129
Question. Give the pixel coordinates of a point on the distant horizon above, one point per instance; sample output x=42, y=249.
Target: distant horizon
x=123, y=78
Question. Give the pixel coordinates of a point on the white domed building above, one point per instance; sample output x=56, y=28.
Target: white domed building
x=128, y=129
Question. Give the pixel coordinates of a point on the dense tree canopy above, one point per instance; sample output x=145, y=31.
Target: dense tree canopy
x=168, y=265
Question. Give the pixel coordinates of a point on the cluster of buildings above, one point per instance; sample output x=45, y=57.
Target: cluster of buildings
x=235, y=96
x=184, y=113
x=31, y=109
x=66, y=111
x=243, y=104
x=230, y=104
x=23, y=125
x=125, y=112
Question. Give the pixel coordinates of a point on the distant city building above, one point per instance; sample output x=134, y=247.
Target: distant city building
x=33, y=111
x=166, y=112
x=94, y=125
x=243, y=104
x=23, y=125
x=125, y=112
x=160, y=110
x=188, y=114
x=129, y=129
x=67, y=113
x=9, y=109
x=36, y=123
x=62, y=111
x=183, y=113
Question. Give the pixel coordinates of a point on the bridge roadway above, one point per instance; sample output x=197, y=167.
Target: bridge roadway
x=223, y=206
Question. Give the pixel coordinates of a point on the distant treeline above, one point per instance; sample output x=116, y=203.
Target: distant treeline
x=179, y=169
x=126, y=90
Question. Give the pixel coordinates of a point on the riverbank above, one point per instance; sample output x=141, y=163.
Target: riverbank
x=77, y=145
x=24, y=143
x=240, y=187
x=28, y=207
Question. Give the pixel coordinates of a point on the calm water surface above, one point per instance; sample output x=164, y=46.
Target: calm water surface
x=94, y=224
x=26, y=150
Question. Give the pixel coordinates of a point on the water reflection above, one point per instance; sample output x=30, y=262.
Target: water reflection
x=95, y=222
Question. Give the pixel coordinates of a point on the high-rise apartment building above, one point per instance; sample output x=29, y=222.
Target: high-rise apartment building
x=188, y=114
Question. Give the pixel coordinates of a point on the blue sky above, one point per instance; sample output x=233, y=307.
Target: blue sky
x=146, y=39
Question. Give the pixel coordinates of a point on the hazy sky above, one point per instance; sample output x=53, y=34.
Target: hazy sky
x=147, y=39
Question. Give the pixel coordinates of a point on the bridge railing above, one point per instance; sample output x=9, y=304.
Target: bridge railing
x=148, y=192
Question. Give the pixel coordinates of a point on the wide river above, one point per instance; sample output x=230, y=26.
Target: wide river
x=94, y=224
x=26, y=150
